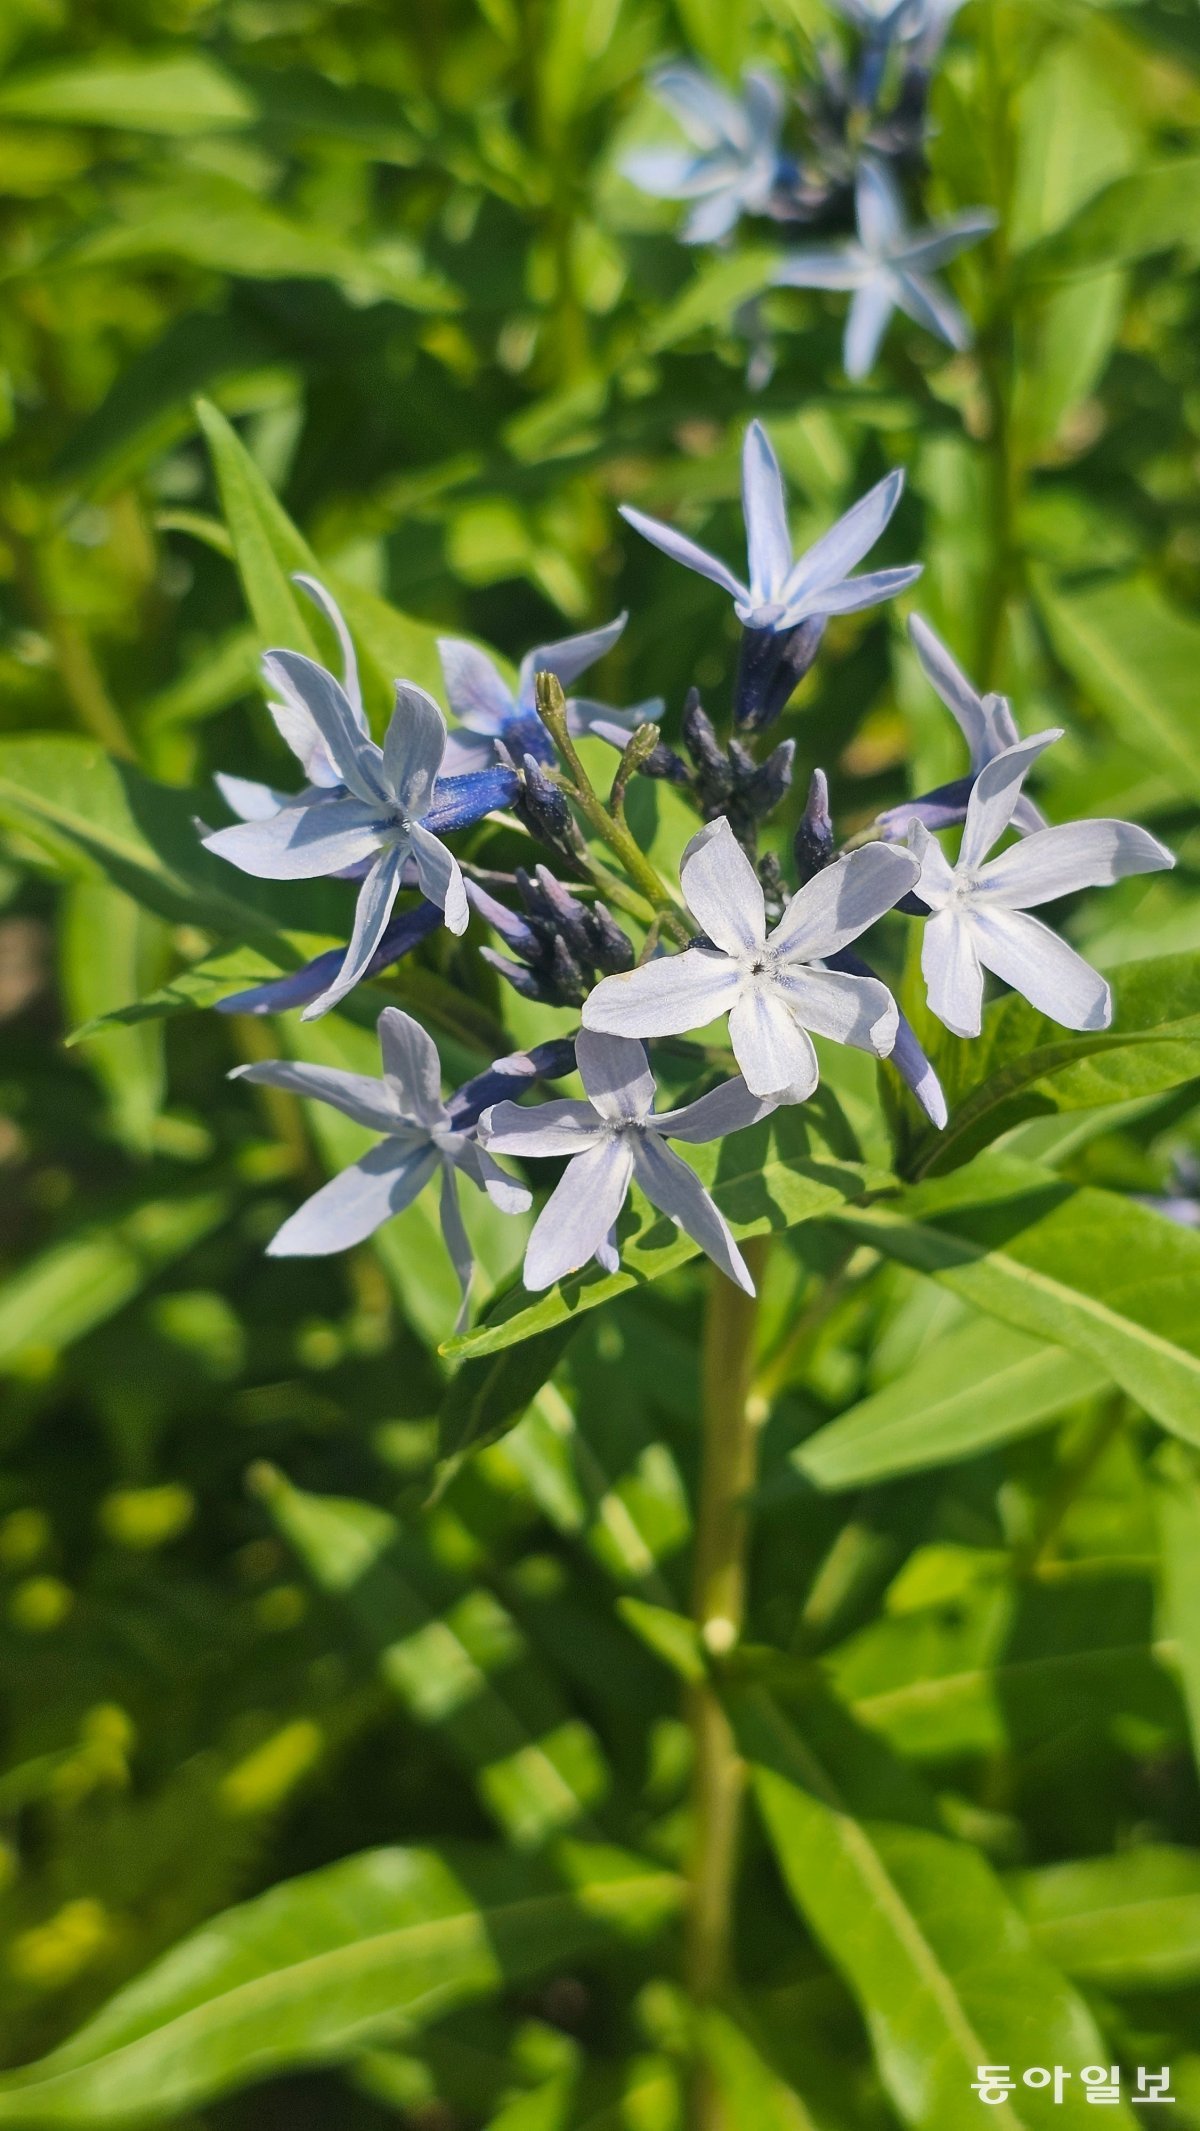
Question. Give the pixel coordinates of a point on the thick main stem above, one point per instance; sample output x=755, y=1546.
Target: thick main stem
x=729, y=1459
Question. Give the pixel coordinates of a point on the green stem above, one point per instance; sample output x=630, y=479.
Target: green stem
x=729, y=1461
x=611, y=830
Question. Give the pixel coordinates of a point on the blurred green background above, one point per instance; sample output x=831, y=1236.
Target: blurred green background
x=394, y=246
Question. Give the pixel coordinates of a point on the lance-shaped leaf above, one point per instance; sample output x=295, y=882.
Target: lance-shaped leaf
x=1099, y=1274
x=309, y=1972
x=1135, y=658
x=1024, y=1065
x=943, y=1968
x=100, y=818
x=455, y=1659
x=1127, y=1923
x=967, y=1394
x=268, y=548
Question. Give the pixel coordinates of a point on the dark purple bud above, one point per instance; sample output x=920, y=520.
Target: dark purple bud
x=664, y=763
x=570, y=986
x=512, y=929
x=702, y=744
x=515, y=973
x=770, y=780
x=510, y=1077
x=609, y=949
x=814, y=845
x=542, y=808
x=771, y=667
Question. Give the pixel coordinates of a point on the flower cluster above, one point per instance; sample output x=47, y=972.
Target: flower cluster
x=779, y=963
x=860, y=130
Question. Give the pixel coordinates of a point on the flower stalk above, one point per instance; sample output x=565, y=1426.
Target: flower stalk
x=611, y=827
x=731, y=1421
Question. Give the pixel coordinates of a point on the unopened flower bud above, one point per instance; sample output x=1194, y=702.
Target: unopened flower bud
x=771, y=667
x=815, y=841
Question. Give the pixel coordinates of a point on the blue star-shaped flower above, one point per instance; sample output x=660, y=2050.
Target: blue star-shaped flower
x=499, y=723
x=389, y=808
x=734, y=163
x=889, y=267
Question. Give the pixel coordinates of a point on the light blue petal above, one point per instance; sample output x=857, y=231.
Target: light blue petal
x=309, y=688
x=764, y=507
x=681, y=549
x=577, y=1217
x=412, y=1069
x=616, y=1074
x=570, y=657
x=304, y=841
x=866, y=325
x=329, y=607
x=353, y=1205
x=413, y=747
x=439, y=878
x=250, y=801
x=372, y=911
x=457, y=1241
x=477, y=694
x=934, y=308
x=677, y=1191
x=879, y=209
x=843, y=546
x=369, y=1102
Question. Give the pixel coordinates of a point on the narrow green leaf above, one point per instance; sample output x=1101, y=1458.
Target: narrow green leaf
x=672, y=1638
x=269, y=549
x=942, y=1967
x=754, y=2094
x=1128, y=1923
x=764, y=1180
x=98, y=817
x=1083, y=1269
x=1025, y=1065
x=308, y=1972
x=491, y=1394
x=456, y=1660
x=1144, y=212
x=1178, y=1504
x=56, y=1298
x=968, y=1393
x=107, y=949
x=179, y=93
x=1136, y=659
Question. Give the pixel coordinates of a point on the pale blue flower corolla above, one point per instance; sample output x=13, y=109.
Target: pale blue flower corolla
x=252, y=801
x=498, y=723
x=889, y=267
x=734, y=162
x=612, y=1140
x=422, y=1139
x=391, y=808
x=784, y=591
x=775, y=987
x=980, y=906
x=987, y=725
